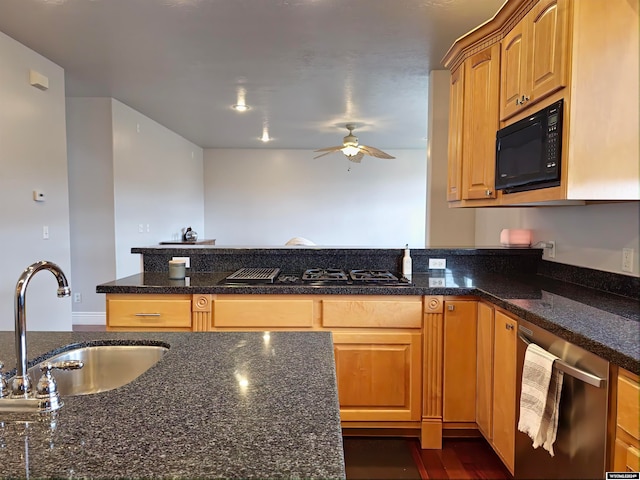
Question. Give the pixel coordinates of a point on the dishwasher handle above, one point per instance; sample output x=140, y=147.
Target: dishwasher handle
x=570, y=370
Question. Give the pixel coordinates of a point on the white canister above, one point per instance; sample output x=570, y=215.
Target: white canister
x=177, y=269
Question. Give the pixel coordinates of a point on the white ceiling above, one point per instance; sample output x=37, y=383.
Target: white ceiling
x=308, y=66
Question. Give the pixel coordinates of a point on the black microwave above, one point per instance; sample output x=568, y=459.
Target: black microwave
x=528, y=152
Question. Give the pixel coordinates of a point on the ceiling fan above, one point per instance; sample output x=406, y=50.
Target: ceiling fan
x=351, y=149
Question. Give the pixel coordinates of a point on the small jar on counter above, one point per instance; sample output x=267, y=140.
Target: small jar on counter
x=177, y=269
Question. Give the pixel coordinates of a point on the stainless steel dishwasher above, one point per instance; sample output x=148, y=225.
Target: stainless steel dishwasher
x=581, y=443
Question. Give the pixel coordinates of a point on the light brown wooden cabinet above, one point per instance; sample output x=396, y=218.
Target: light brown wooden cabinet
x=627, y=439
x=148, y=312
x=459, y=363
x=534, y=57
x=504, y=388
x=379, y=375
x=472, y=124
x=552, y=50
x=484, y=378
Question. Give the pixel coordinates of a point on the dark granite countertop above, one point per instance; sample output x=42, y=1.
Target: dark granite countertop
x=603, y=323
x=218, y=405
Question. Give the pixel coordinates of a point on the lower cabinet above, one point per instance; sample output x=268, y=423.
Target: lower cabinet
x=148, y=312
x=496, y=381
x=459, y=362
x=626, y=457
x=379, y=375
x=504, y=388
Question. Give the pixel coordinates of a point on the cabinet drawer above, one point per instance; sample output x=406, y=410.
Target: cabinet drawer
x=148, y=311
x=262, y=313
x=628, y=408
x=395, y=312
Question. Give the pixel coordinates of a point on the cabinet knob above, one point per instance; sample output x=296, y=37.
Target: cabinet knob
x=525, y=98
x=488, y=192
x=508, y=326
x=451, y=308
x=517, y=101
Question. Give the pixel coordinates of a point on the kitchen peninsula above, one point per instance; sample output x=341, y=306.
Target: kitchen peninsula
x=217, y=405
x=438, y=354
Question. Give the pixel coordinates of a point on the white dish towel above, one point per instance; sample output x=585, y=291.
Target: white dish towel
x=540, y=397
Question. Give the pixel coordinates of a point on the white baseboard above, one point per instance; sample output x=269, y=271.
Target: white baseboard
x=88, y=318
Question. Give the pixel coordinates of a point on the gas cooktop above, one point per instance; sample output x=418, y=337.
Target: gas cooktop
x=315, y=276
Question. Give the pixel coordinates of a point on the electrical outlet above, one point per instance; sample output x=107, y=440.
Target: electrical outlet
x=551, y=245
x=187, y=261
x=140, y=228
x=627, y=259
x=436, y=282
x=45, y=232
x=437, y=264
x=77, y=297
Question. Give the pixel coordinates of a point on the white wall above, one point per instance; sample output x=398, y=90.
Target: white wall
x=265, y=197
x=590, y=236
x=32, y=156
x=158, y=184
x=446, y=227
x=90, y=147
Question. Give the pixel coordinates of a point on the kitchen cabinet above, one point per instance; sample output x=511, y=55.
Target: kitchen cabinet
x=484, y=378
x=379, y=375
x=496, y=380
x=626, y=456
x=534, y=57
x=262, y=311
x=459, y=363
x=148, y=312
x=456, y=117
x=473, y=122
x=504, y=388
x=552, y=50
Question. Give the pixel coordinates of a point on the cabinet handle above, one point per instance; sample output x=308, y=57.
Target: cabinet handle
x=524, y=99
x=517, y=102
x=508, y=326
x=488, y=192
x=451, y=308
x=147, y=314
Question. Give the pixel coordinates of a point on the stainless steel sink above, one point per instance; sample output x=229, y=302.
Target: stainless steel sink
x=106, y=367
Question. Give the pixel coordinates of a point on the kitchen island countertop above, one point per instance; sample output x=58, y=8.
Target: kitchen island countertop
x=217, y=405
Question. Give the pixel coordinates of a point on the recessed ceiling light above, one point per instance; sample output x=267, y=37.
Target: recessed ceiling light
x=240, y=107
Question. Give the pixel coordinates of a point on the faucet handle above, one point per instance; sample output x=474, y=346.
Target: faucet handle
x=4, y=386
x=47, y=386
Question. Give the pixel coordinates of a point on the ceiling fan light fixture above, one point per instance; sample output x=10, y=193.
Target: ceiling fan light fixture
x=350, y=150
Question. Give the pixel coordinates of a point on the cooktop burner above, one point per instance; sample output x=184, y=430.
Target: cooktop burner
x=331, y=274
x=373, y=276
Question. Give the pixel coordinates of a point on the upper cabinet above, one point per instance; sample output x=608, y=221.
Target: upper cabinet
x=531, y=54
x=534, y=57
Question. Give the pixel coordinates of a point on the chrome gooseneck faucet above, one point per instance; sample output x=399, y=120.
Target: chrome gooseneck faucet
x=21, y=384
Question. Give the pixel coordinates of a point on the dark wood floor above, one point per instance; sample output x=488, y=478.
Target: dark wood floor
x=402, y=458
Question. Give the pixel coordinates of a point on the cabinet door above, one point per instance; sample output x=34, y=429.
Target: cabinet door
x=148, y=312
x=511, y=71
x=481, y=98
x=456, y=102
x=484, y=383
x=504, y=387
x=459, y=363
x=547, y=37
x=379, y=375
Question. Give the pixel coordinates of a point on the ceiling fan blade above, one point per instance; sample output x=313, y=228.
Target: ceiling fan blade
x=325, y=153
x=374, y=152
x=330, y=149
x=357, y=158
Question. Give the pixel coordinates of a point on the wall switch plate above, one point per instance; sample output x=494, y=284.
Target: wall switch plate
x=45, y=232
x=77, y=297
x=187, y=261
x=437, y=264
x=627, y=259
